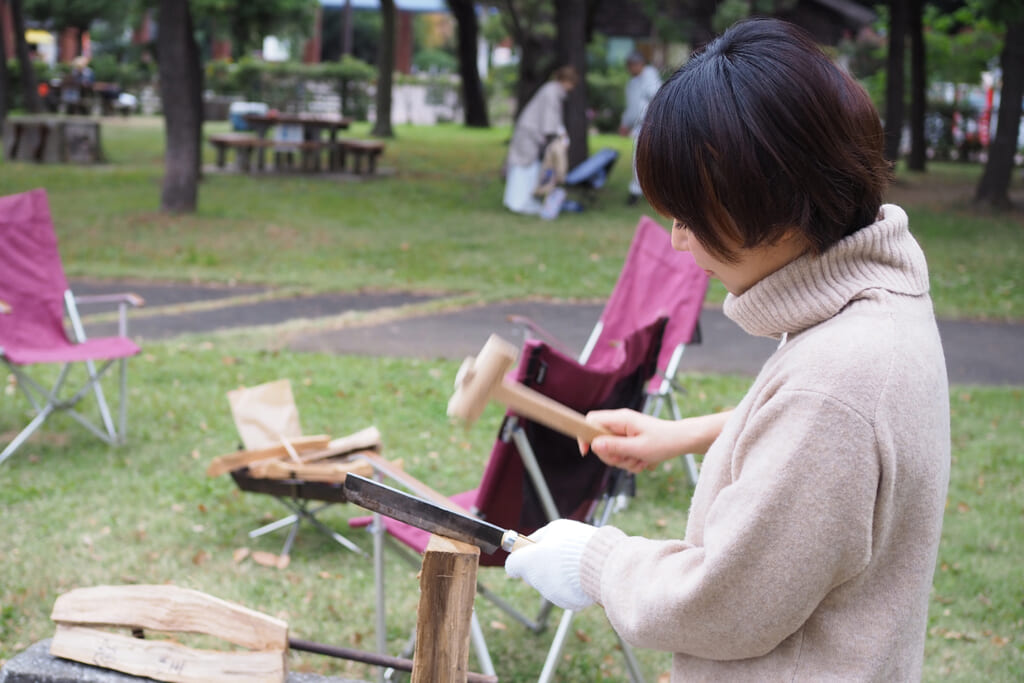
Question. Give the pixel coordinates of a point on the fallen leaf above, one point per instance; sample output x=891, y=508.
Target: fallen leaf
x=200, y=557
x=239, y=554
x=498, y=625
x=582, y=636
x=262, y=557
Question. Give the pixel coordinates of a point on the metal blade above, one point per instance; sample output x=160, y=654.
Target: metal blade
x=422, y=514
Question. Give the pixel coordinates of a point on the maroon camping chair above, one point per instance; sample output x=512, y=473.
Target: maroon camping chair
x=655, y=281
x=535, y=475
x=35, y=299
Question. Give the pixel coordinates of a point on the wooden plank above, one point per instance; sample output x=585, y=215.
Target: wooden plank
x=232, y=461
x=333, y=472
x=171, y=608
x=165, y=661
x=447, y=588
x=364, y=440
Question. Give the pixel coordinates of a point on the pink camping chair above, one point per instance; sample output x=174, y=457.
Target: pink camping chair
x=35, y=297
x=535, y=475
x=655, y=281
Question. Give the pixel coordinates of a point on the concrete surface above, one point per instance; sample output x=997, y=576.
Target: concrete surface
x=976, y=352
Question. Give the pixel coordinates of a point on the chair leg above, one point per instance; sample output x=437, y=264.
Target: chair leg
x=301, y=510
x=483, y=656
x=26, y=432
x=378, y=585
x=122, y=431
x=97, y=389
x=555, y=653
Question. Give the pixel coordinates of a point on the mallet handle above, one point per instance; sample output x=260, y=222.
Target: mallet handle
x=539, y=408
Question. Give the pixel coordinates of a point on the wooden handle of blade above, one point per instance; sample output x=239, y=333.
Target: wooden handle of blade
x=520, y=541
x=539, y=408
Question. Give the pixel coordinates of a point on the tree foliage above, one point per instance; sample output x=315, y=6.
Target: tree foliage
x=80, y=14
x=247, y=22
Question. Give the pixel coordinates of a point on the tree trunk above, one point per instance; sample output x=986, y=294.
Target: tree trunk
x=473, y=99
x=994, y=186
x=894, y=79
x=701, y=12
x=29, y=87
x=181, y=93
x=918, y=83
x=571, y=24
x=534, y=69
x=385, y=70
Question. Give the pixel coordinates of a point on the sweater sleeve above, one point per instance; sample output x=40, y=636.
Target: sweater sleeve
x=794, y=522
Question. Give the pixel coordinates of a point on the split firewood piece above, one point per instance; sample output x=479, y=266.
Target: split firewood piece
x=173, y=609
x=364, y=440
x=326, y=471
x=447, y=588
x=232, y=461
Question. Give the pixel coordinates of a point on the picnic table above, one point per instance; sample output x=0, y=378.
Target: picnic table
x=52, y=139
x=312, y=137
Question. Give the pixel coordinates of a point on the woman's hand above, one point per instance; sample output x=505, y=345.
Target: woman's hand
x=639, y=442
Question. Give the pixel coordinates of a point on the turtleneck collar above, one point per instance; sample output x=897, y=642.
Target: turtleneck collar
x=814, y=288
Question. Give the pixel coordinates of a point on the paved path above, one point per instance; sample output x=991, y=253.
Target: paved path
x=976, y=352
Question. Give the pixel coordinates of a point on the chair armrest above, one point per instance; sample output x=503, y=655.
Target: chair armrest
x=129, y=298
x=412, y=483
x=123, y=301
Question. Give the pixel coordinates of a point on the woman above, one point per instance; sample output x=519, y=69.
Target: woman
x=538, y=123
x=813, y=531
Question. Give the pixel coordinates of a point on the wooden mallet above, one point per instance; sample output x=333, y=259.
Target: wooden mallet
x=482, y=378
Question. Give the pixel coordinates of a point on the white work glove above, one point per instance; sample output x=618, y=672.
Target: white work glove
x=552, y=563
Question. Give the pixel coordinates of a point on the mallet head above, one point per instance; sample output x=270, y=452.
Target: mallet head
x=478, y=377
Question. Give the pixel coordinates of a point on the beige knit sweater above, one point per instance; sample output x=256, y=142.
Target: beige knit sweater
x=813, y=532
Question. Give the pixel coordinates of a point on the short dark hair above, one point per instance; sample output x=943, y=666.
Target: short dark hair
x=566, y=74
x=759, y=133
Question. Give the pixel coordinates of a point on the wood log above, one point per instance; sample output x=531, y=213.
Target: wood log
x=174, y=609
x=232, y=461
x=447, y=589
x=326, y=471
x=165, y=661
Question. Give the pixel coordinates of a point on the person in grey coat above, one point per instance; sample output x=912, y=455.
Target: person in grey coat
x=540, y=122
x=640, y=89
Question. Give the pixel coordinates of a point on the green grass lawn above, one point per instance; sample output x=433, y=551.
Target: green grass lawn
x=76, y=513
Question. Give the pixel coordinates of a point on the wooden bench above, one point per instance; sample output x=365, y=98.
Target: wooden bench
x=245, y=144
x=242, y=143
x=359, y=149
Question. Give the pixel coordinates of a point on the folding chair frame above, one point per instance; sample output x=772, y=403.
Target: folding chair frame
x=304, y=499
x=598, y=515
x=598, y=489
x=664, y=394
x=48, y=401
